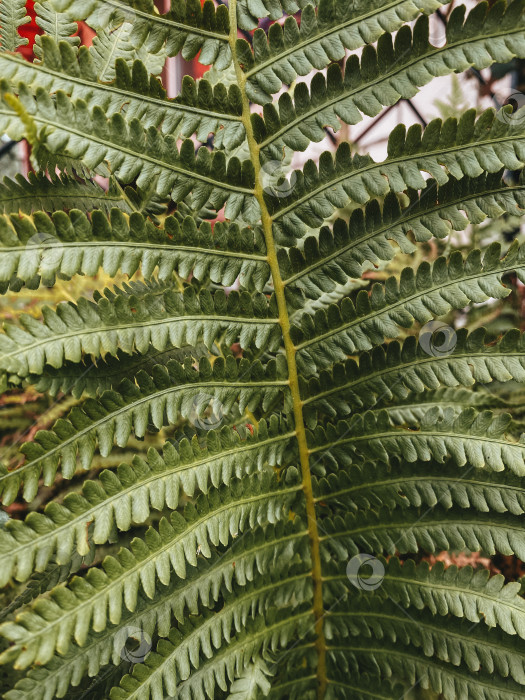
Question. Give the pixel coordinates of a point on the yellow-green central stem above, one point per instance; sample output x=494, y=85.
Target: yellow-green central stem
x=293, y=376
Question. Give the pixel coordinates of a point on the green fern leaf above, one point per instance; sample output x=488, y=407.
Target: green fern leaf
x=421, y=484
x=390, y=376
x=405, y=530
x=12, y=16
x=479, y=596
x=186, y=29
x=249, y=557
x=55, y=25
x=95, y=377
x=112, y=44
x=149, y=402
x=378, y=619
x=249, y=13
x=286, y=382
x=252, y=682
x=58, y=192
x=349, y=249
x=163, y=554
x=160, y=671
x=470, y=437
x=321, y=38
x=467, y=147
x=203, y=109
x=134, y=152
x=432, y=290
x=66, y=245
x=132, y=319
x=127, y=497
x=395, y=70
x=411, y=409
x=415, y=668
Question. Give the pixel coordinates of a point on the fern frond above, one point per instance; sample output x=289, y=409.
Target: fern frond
x=42, y=581
x=327, y=299
x=77, y=244
x=12, y=16
x=57, y=192
x=186, y=28
x=118, y=500
x=363, y=686
x=100, y=596
x=470, y=437
x=251, y=599
x=389, y=376
x=451, y=148
x=419, y=295
x=395, y=70
x=460, y=644
x=463, y=593
x=132, y=319
x=56, y=26
x=340, y=685
x=94, y=378
x=420, y=485
x=406, y=530
x=414, y=668
x=412, y=408
x=170, y=393
x=249, y=14
x=259, y=403
x=203, y=109
x=344, y=252
x=257, y=552
x=321, y=37
x=112, y=44
x=72, y=137
x=252, y=681
x=164, y=671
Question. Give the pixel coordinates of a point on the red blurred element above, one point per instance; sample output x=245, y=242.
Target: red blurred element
x=29, y=31
x=198, y=69
x=86, y=34
x=194, y=68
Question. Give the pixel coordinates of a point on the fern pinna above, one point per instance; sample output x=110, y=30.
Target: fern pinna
x=324, y=432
